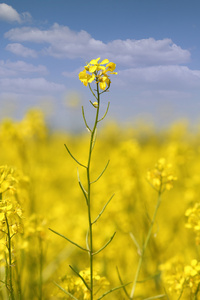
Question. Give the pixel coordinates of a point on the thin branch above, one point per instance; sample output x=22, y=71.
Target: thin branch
x=68, y=240
x=86, y=124
x=80, y=277
x=74, y=157
x=166, y=294
x=92, y=91
x=82, y=188
x=112, y=290
x=123, y=286
x=181, y=293
x=156, y=297
x=94, y=138
x=197, y=291
x=66, y=292
x=87, y=242
x=149, y=278
x=106, y=88
x=101, y=173
x=105, y=113
x=103, y=209
x=95, y=104
x=136, y=243
x=110, y=240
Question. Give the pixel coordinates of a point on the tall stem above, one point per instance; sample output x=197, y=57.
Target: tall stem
x=11, y=296
x=93, y=133
x=145, y=245
x=40, y=268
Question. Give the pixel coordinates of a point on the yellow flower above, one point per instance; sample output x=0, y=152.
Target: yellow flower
x=85, y=77
x=77, y=288
x=104, y=81
x=193, y=222
x=94, y=66
x=111, y=67
x=161, y=177
x=177, y=276
x=99, y=72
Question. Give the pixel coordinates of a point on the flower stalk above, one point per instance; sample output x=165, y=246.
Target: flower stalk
x=9, y=262
x=97, y=72
x=160, y=178
x=145, y=246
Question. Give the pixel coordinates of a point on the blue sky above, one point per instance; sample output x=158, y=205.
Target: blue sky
x=155, y=44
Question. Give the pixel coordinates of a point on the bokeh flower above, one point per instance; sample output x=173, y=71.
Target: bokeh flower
x=193, y=220
x=161, y=177
x=181, y=279
x=75, y=285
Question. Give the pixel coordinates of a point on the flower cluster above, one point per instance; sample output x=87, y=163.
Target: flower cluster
x=173, y=275
x=180, y=278
x=98, y=72
x=193, y=222
x=10, y=209
x=76, y=287
x=11, y=221
x=161, y=177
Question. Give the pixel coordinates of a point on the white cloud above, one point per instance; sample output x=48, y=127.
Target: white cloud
x=13, y=69
x=61, y=42
x=9, y=14
x=72, y=74
x=147, y=69
x=26, y=17
x=172, y=77
x=20, y=50
x=30, y=85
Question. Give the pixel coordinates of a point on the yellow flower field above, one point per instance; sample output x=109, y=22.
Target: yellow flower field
x=43, y=178
x=113, y=213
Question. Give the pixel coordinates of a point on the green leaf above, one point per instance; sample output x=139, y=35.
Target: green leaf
x=103, y=209
x=101, y=173
x=110, y=240
x=81, y=278
x=84, y=118
x=156, y=297
x=105, y=112
x=74, y=157
x=66, y=292
x=68, y=240
x=112, y=290
x=82, y=188
x=123, y=286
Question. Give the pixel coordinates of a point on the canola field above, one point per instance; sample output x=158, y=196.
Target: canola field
x=110, y=213
x=39, y=190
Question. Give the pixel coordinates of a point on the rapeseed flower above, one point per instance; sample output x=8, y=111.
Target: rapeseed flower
x=10, y=208
x=99, y=73
x=181, y=278
x=193, y=221
x=161, y=176
x=75, y=286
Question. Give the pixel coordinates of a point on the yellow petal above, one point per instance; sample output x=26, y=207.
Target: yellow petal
x=82, y=74
x=92, y=69
x=92, y=77
x=94, y=61
x=102, y=85
x=105, y=61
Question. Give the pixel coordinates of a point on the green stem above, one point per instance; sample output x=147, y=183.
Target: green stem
x=93, y=132
x=40, y=268
x=11, y=292
x=145, y=245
